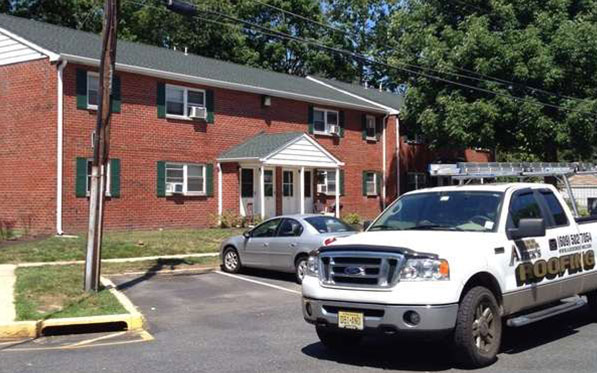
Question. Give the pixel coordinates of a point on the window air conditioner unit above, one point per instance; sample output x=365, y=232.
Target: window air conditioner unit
x=198, y=112
x=335, y=130
x=321, y=189
x=174, y=188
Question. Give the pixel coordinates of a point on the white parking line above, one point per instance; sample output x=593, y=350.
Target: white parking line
x=259, y=282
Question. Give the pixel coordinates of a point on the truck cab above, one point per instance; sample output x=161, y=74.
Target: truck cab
x=458, y=261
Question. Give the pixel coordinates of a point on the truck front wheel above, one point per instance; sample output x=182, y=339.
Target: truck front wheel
x=478, y=332
x=336, y=340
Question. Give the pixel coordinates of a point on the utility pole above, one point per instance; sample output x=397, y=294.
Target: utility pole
x=101, y=146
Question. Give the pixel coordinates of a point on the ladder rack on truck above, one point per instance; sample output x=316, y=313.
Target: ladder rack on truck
x=465, y=172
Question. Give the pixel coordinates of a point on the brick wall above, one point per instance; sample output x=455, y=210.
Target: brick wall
x=28, y=145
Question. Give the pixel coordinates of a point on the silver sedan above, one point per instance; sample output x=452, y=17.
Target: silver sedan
x=282, y=243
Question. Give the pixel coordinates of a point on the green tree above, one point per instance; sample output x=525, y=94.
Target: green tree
x=547, y=45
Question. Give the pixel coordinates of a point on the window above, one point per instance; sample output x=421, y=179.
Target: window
x=180, y=100
x=92, y=90
x=524, y=206
x=108, y=177
x=268, y=183
x=323, y=120
x=555, y=209
x=328, y=224
x=370, y=184
x=416, y=180
x=288, y=184
x=266, y=229
x=371, y=128
x=290, y=228
x=246, y=187
x=326, y=181
x=308, y=184
x=186, y=179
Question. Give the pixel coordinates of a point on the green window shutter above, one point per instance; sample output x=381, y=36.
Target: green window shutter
x=81, y=89
x=115, y=178
x=310, y=119
x=116, y=94
x=209, y=105
x=161, y=179
x=81, y=178
x=365, y=183
x=341, y=182
x=161, y=100
x=378, y=127
x=209, y=180
x=364, y=126
x=341, y=123
x=378, y=182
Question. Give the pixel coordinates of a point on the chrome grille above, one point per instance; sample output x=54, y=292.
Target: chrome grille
x=360, y=269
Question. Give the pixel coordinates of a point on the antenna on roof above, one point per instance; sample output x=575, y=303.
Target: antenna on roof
x=185, y=51
x=380, y=86
x=175, y=47
x=366, y=84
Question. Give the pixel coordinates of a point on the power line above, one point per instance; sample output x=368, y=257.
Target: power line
x=282, y=35
x=479, y=76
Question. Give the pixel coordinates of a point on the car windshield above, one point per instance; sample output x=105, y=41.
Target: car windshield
x=328, y=224
x=451, y=211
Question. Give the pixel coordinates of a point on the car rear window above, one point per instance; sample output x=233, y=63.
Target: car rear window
x=328, y=224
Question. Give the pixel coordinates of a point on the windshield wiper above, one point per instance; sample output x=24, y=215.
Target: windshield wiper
x=382, y=227
x=432, y=227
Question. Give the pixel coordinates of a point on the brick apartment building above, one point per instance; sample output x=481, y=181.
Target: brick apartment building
x=191, y=137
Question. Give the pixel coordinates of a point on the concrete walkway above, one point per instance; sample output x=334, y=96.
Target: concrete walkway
x=7, y=283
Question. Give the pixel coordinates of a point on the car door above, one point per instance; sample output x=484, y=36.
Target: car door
x=526, y=283
x=284, y=246
x=257, y=246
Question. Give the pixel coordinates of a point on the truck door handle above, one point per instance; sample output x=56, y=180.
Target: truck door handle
x=292, y=245
x=266, y=244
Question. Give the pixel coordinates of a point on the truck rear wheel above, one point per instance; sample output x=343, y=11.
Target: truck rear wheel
x=478, y=332
x=336, y=340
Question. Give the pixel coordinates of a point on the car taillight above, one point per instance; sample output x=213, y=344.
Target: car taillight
x=329, y=241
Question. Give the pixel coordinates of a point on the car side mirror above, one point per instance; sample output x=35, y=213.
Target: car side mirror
x=247, y=234
x=528, y=228
x=366, y=224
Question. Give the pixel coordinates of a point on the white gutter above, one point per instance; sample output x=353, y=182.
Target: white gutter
x=383, y=172
x=53, y=56
x=221, y=84
x=220, y=202
x=59, y=145
x=386, y=109
x=397, y=157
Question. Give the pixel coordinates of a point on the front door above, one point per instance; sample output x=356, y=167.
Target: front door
x=308, y=191
x=269, y=192
x=247, y=192
x=289, y=192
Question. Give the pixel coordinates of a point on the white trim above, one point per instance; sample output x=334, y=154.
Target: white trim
x=59, y=145
x=383, y=168
x=185, y=179
x=262, y=192
x=53, y=56
x=108, y=178
x=397, y=157
x=327, y=180
x=374, y=193
x=387, y=109
x=367, y=137
x=335, y=160
x=91, y=74
x=326, y=125
x=220, y=200
x=302, y=189
x=185, y=100
x=338, y=194
x=222, y=84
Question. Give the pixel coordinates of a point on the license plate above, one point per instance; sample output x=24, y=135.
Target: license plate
x=350, y=320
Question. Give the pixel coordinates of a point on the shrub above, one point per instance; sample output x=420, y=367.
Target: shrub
x=7, y=229
x=352, y=218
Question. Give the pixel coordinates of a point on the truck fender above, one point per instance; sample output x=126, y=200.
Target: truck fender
x=485, y=279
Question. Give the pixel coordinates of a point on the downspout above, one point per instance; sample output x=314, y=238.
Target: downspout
x=59, y=145
x=383, y=141
x=397, y=157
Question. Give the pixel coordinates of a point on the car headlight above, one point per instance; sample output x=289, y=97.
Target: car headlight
x=425, y=270
x=313, y=265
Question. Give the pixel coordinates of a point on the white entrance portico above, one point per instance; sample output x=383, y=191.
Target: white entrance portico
x=279, y=169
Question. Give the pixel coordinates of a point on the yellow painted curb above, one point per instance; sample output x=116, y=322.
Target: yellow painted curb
x=19, y=329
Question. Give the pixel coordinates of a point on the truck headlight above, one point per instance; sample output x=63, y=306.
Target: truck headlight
x=313, y=265
x=425, y=270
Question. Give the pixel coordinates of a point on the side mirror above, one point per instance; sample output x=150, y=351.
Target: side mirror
x=247, y=234
x=366, y=224
x=528, y=228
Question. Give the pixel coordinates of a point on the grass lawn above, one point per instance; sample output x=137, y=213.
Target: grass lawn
x=118, y=245
x=57, y=291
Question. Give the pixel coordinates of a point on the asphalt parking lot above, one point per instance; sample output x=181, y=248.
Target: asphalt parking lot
x=253, y=323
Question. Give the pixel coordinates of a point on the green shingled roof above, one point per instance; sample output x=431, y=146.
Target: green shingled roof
x=62, y=40
x=389, y=99
x=260, y=146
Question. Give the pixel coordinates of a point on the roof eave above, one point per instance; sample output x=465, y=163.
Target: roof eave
x=222, y=84
x=51, y=55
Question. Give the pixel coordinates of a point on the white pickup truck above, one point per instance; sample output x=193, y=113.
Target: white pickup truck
x=458, y=261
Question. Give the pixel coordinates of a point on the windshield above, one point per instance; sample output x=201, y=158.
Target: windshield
x=454, y=211
x=328, y=224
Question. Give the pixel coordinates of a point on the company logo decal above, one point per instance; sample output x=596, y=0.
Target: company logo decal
x=531, y=273
x=354, y=271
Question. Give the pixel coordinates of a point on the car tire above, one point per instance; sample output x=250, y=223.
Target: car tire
x=300, y=268
x=336, y=340
x=231, y=260
x=592, y=301
x=478, y=332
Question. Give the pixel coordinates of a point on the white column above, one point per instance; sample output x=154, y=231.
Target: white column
x=383, y=167
x=262, y=191
x=302, y=181
x=220, y=197
x=338, y=192
x=59, y=146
